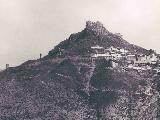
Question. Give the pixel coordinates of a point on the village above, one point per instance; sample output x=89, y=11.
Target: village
x=130, y=60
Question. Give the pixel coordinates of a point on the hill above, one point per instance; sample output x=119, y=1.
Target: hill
x=74, y=87
x=94, y=34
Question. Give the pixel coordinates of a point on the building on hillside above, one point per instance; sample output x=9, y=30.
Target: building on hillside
x=112, y=49
x=98, y=49
x=152, y=58
x=102, y=55
x=140, y=63
x=123, y=51
x=143, y=58
x=116, y=56
x=131, y=57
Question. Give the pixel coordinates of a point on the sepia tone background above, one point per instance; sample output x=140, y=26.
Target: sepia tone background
x=30, y=27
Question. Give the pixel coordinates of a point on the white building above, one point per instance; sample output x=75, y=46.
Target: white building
x=152, y=59
x=112, y=49
x=131, y=57
x=101, y=55
x=97, y=47
x=116, y=55
x=123, y=50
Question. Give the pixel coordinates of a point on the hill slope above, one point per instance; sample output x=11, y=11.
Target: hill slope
x=94, y=34
x=74, y=88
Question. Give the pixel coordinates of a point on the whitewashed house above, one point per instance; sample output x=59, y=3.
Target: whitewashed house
x=131, y=57
x=152, y=58
x=113, y=49
x=116, y=55
x=97, y=47
x=102, y=55
x=123, y=51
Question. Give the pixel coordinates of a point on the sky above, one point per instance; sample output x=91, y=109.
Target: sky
x=31, y=27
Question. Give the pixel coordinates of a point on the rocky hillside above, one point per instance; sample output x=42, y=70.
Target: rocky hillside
x=94, y=34
x=74, y=87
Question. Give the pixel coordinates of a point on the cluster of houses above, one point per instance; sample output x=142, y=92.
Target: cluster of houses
x=138, y=61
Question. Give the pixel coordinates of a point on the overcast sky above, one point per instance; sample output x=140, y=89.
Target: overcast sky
x=30, y=27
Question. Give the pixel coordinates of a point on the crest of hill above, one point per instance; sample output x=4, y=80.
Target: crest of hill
x=94, y=34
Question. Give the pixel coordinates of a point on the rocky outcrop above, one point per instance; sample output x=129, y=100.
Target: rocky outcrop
x=93, y=34
x=97, y=28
